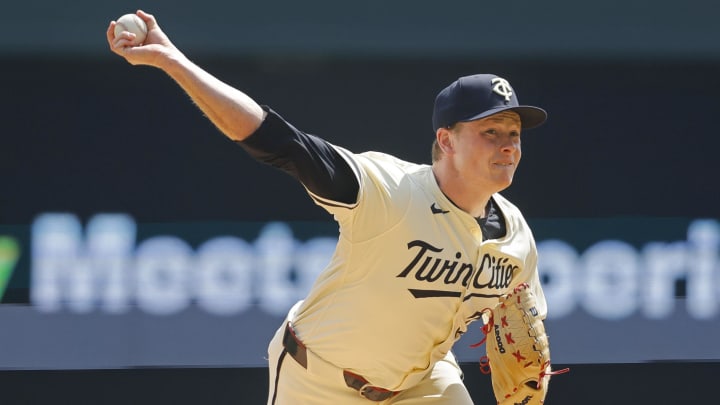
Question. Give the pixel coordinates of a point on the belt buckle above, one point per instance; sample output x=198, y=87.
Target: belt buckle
x=373, y=393
x=365, y=389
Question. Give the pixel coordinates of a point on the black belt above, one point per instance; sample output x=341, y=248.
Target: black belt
x=297, y=350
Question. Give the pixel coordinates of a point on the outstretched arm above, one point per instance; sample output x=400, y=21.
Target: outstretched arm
x=310, y=159
x=233, y=112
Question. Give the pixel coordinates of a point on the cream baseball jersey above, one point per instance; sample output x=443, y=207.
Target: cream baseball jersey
x=410, y=272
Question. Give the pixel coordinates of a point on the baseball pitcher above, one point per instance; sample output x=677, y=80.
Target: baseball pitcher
x=423, y=250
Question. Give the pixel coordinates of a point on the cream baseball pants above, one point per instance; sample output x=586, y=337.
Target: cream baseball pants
x=323, y=384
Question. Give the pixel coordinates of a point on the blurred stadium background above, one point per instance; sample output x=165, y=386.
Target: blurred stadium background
x=145, y=259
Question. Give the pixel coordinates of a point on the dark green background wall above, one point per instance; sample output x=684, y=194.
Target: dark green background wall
x=94, y=134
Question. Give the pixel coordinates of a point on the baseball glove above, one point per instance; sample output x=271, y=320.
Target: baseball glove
x=517, y=350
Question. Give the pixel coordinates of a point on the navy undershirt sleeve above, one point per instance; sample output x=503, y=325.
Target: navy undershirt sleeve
x=308, y=158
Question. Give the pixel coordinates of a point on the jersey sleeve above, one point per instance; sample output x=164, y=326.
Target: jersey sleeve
x=366, y=193
x=313, y=161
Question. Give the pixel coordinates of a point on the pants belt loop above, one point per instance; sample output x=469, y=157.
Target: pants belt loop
x=294, y=346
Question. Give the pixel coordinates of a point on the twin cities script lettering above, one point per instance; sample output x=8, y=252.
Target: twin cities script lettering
x=493, y=273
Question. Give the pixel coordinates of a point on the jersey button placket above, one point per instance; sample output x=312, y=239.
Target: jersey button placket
x=476, y=233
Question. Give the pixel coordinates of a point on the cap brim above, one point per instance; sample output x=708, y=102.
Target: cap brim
x=530, y=117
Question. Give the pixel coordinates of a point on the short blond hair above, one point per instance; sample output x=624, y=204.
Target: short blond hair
x=437, y=152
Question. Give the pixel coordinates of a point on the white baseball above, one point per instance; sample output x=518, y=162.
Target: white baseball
x=132, y=23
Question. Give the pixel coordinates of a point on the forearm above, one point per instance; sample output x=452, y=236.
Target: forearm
x=233, y=112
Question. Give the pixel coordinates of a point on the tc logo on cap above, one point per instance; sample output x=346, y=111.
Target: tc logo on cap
x=502, y=88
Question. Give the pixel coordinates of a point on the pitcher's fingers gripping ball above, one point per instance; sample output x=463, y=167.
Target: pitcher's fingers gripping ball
x=517, y=350
x=133, y=24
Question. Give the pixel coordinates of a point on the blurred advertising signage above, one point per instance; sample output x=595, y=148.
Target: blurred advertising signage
x=104, y=267
x=9, y=254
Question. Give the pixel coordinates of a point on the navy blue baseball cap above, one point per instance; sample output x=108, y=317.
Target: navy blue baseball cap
x=478, y=96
